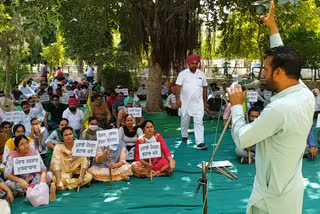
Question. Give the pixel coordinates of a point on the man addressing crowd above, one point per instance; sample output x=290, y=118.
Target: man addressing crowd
x=280, y=132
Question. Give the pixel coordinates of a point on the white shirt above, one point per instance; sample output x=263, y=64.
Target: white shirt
x=90, y=70
x=171, y=100
x=191, y=94
x=142, y=91
x=74, y=119
x=27, y=91
x=64, y=99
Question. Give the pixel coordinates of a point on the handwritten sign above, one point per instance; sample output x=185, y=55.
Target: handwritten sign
x=44, y=98
x=86, y=148
x=108, y=137
x=252, y=96
x=70, y=93
x=267, y=95
x=149, y=150
x=135, y=112
x=123, y=90
x=25, y=165
x=12, y=116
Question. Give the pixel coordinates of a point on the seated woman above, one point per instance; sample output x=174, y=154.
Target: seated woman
x=120, y=169
x=18, y=130
x=39, y=135
x=162, y=166
x=129, y=133
x=70, y=172
x=56, y=137
x=91, y=132
x=20, y=183
x=128, y=103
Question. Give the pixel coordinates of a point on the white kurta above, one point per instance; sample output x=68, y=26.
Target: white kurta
x=191, y=94
x=280, y=134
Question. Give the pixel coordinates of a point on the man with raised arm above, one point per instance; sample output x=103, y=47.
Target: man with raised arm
x=280, y=132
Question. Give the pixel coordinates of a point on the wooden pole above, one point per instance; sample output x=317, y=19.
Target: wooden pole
x=204, y=188
x=109, y=160
x=150, y=170
x=236, y=177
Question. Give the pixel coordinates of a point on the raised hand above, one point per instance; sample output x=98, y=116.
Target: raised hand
x=270, y=21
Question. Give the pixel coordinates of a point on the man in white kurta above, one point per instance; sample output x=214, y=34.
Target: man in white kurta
x=191, y=90
x=280, y=135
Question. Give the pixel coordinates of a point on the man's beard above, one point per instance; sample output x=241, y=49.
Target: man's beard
x=26, y=112
x=271, y=85
x=193, y=69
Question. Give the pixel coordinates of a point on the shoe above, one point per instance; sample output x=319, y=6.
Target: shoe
x=202, y=146
x=185, y=140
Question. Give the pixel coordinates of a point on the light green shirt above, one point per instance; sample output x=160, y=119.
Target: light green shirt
x=280, y=134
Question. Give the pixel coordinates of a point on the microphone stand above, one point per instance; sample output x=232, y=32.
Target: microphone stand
x=203, y=180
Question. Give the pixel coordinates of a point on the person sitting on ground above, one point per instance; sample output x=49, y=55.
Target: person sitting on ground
x=135, y=99
x=311, y=151
x=253, y=114
x=123, y=112
x=28, y=113
x=142, y=92
x=74, y=115
x=56, y=109
x=162, y=166
x=32, y=104
x=91, y=132
x=26, y=90
x=42, y=93
x=129, y=133
x=5, y=192
x=164, y=90
x=70, y=171
x=9, y=146
x=63, y=98
x=316, y=94
x=83, y=94
x=5, y=103
x=113, y=157
x=101, y=111
x=5, y=133
x=56, y=137
x=171, y=105
x=39, y=135
x=112, y=99
x=17, y=96
x=216, y=105
x=34, y=88
x=117, y=106
x=20, y=183
x=59, y=74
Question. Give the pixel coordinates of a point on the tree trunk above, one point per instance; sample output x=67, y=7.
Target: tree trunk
x=154, y=98
x=80, y=67
x=8, y=67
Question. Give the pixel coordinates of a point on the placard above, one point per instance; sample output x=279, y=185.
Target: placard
x=252, y=96
x=267, y=95
x=108, y=137
x=214, y=164
x=70, y=93
x=123, y=90
x=44, y=98
x=135, y=112
x=86, y=148
x=25, y=165
x=318, y=121
x=12, y=116
x=149, y=150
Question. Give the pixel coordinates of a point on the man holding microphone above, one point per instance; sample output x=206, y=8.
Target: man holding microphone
x=280, y=132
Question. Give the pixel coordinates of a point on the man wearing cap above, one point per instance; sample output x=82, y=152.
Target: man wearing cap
x=74, y=115
x=191, y=93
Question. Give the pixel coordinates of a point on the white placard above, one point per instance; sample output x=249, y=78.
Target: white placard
x=108, y=137
x=267, y=95
x=12, y=116
x=86, y=148
x=318, y=121
x=149, y=150
x=25, y=165
x=44, y=98
x=123, y=90
x=252, y=96
x=70, y=93
x=135, y=112
x=218, y=164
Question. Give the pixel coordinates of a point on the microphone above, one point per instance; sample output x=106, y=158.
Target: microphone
x=254, y=84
